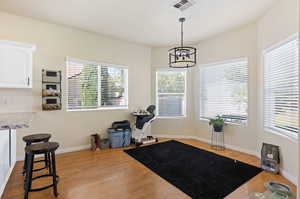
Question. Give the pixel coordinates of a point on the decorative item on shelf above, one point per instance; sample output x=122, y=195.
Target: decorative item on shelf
x=51, y=93
x=217, y=136
x=51, y=107
x=270, y=158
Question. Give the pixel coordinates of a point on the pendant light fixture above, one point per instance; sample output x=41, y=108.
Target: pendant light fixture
x=183, y=56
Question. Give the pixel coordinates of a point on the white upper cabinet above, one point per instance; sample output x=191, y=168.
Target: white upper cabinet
x=15, y=64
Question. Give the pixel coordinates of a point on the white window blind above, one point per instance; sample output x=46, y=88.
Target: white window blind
x=95, y=86
x=224, y=90
x=171, y=93
x=281, y=88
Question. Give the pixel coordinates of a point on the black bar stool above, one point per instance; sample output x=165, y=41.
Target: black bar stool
x=36, y=149
x=36, y=138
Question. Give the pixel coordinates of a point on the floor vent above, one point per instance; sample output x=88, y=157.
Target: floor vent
x=184, y=4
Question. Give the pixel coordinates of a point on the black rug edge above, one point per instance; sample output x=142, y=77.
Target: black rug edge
x=127, y=151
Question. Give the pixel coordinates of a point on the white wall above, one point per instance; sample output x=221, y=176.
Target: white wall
x=54, y=43
x=241, y=42
x=179, y=126
x=278, y=24
x=72, y=129
x=238, y=43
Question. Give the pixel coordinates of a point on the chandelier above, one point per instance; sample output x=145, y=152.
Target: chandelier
x=183, y=56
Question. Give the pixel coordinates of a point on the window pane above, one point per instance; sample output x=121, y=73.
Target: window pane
x=82, y=86
x=92, y=86
x=113, y=86
x=281, y=88
x=224, y=90
x=171, y=82
x=171, y=105
x=171, y=93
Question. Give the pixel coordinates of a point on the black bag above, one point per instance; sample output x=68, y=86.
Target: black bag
x=121, y=125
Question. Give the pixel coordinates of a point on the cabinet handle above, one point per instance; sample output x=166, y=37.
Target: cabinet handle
x=28, y=81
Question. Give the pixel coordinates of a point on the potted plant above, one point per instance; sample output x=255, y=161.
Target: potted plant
x=217, y=123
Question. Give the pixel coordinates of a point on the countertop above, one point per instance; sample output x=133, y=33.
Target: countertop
x=13, y=126
x=15, y=120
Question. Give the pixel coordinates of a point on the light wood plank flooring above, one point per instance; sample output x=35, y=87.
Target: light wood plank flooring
x=111, y=174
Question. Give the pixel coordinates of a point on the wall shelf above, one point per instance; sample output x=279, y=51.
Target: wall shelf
x=51, y=90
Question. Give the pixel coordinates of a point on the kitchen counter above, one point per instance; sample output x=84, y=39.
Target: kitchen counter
x=9, y=123
x=13, y=126
x=15, y=120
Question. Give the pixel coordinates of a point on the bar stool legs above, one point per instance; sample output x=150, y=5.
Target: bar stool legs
x=28, y=176
x=49, y=150
x=54, y=176
x=25, y=161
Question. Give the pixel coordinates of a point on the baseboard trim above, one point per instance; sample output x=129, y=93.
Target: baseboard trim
x=64, y=150
x=288, y=176
x=283, y=172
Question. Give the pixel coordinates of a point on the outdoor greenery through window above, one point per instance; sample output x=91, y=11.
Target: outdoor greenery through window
x=93, y=86
x=281, y=90
x=171, y=93
x=224, y=91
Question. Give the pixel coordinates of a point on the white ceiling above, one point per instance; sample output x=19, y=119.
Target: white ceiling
x=151, y=22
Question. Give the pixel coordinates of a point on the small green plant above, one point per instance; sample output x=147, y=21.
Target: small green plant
x=218, y=123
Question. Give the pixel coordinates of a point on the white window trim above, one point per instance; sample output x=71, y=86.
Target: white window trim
x=70, y=59
x=225, y=62
x=292, y=136
x=248, y=87
x=184, y=97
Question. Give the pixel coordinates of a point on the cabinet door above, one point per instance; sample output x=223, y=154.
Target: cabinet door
x=15, y=65
x=13, y=149
x=4, y=154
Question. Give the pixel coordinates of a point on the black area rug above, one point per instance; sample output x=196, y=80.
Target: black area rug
x=198, y=173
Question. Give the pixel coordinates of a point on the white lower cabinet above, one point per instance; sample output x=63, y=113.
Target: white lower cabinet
x=13, y=148
x=7, y=156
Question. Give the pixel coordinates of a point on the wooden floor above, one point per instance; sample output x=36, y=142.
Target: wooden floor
x=114, y=174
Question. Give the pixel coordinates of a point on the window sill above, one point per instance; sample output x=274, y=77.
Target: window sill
x=292, y=137
x=228, y=123
x=98, y=109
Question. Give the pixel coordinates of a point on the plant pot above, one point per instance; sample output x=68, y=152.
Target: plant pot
x=218, y=128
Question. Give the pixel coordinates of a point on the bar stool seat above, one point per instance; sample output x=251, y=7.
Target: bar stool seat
x=34, y=138
x=37, y=138
x=36, y=149
x=42, y=148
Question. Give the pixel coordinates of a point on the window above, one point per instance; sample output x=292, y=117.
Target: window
x=281, y=88
x=93, y=86
x=171, y=93
x=224, y=90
